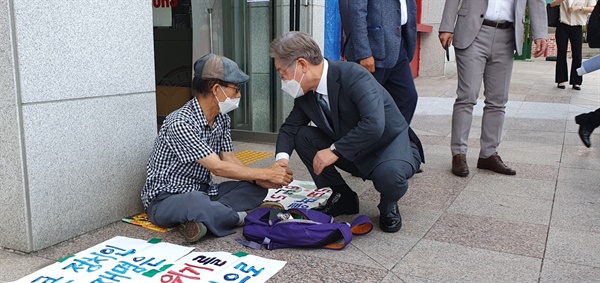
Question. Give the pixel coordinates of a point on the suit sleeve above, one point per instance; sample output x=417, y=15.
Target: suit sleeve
x=449, y=16
x=357, y=28
x=538, y=18
x=288, y=130
x=409, y=30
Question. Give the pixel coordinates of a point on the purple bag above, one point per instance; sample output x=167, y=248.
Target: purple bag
x=272, y=228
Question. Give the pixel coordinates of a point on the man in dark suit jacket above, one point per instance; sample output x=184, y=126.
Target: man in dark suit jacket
x=381, y=35
x=359, y=128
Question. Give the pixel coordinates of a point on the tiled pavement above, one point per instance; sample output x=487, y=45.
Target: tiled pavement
x=542, y=225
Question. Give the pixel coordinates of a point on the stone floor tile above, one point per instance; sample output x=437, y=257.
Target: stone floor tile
x=434, y=189
x=349, y=255
x=573, y=246
x=305, y=268
x=534, y=155
x=538, y=125
x=577, y=191
x=414, y=279
x=503, y=207
x=547, y=98
x=556, y=271
x=415, y=222
x=581, y=157
x=429, y=140
x=387, y=249
x=455, y=263
x=512, y=186
x=550, y=141
x=432, y=124
x=15, y=265
x=538, y=148
x=576, y=216
x=392, y=278
x=491, y=234
x=577, y=175
x=530, y=171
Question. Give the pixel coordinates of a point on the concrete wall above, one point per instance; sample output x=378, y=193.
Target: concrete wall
x=260, y=65
x=433, y=57
x=77, y=116
x=13, y=207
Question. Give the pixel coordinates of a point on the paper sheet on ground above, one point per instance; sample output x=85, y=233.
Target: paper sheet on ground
x=123, y=259
x=299, y=194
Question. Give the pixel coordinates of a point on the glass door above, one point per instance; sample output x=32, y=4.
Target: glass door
x=242, y=31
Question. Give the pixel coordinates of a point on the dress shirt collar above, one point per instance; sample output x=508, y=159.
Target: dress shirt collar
x=322, y=87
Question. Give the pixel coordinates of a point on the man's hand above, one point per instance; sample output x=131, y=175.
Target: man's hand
x=279, y=175
x=540, y=47
x=283, y=162
x=368, y=63
x=446, y=39
x=323, y=158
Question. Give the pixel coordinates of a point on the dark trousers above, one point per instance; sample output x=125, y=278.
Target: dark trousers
x=398, y=81
x=390, y=178
x=564, y=34
x=218, y=213
x=591, y=119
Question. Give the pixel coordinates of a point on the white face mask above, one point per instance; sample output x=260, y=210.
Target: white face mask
x=292, y=87
x=229, y=104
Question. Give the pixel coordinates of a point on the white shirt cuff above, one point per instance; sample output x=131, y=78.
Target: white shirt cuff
x=282, y=155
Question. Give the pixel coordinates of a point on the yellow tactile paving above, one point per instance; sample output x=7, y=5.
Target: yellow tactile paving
x=250, y=156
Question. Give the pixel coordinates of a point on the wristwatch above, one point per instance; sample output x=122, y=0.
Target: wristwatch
x=332, y=147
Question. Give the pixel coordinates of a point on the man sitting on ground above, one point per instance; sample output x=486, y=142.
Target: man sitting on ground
x=195, y=141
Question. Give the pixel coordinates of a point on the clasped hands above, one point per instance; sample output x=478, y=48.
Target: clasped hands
x=279, y=175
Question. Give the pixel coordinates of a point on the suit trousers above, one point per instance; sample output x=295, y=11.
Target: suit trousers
x=398, y=81
x=564, y=34
x=390, y=178
x=218, y=213
x=591, y=119
x=489, y=59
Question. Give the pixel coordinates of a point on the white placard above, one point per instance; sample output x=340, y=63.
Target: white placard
x=124, y=260
x=299, y=194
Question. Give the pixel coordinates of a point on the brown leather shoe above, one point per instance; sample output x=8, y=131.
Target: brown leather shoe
x=495, y=164
x=459, y=165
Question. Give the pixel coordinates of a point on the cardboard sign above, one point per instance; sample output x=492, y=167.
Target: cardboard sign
x=123, y=259
x=299, y=194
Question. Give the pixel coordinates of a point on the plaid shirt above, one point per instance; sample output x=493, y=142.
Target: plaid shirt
x=185, y=137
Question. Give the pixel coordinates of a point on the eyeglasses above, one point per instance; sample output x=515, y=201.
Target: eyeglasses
x=237, y=87
x=288, y=66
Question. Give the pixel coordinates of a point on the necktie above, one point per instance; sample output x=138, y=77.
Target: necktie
x=323, y=104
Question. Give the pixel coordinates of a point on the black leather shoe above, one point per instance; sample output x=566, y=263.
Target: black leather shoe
x=391, y=222
x=584, y=133
x=339, y=204
x=561, y=86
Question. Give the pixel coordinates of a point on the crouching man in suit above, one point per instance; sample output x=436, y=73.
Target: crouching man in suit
x=359, y=128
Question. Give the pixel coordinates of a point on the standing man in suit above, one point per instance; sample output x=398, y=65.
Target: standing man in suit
x=381, y=35
x=359, y=128
x=485, y=34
